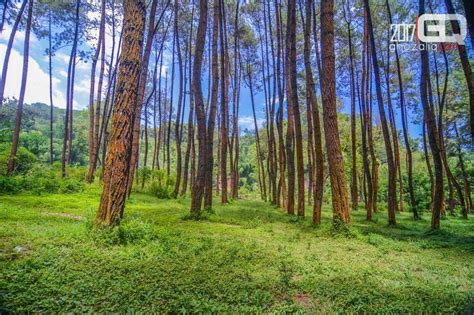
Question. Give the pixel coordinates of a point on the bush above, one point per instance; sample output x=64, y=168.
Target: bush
x=71, y=185
x=10, y=185
x=43, y=179
x=24, y=159
x=161, y=186
x=128, y=232
x=40, y=179
x=144, y=174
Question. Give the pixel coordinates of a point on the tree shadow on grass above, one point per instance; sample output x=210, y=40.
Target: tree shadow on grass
x=423, y=237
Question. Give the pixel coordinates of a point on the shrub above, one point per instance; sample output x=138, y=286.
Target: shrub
x=24, y=159
x=128, y=232
x=144, y=174
x=43, y=179
x=10, y=185
x=71, y=185
x=161, y=186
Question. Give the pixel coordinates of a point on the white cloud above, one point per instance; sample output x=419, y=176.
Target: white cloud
x=62, y=57
x=83, y=86
x=19, y=35
x=247, y=122
x=37, y=86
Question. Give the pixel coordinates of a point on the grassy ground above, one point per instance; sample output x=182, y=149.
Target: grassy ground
x=245, y=257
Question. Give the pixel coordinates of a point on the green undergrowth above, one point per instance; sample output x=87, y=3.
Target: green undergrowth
x=244, y=257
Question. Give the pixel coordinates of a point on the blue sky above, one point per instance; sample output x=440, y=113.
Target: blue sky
x=38, y=79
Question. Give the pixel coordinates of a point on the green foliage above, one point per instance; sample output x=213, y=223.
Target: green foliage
x=422, y=190
x=132, y=231
x=161, y=185
x=35, y=132
x=24, y=159
x=44, y=179
x=144, y=173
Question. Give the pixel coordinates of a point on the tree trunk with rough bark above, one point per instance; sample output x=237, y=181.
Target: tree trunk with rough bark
x=179, y=106
x=466, y=66
x=404, y=119
x=354, y=194
x=433, y=135
x=340, y=203
x=198, y=184
x=67, y=139
x=141, y=94
x=190, y=133
x=50, y=73
x=224, y=108
x=119, y=150
x=293, y=95
x=212, y=107
x=318, y=146
x=94, y=117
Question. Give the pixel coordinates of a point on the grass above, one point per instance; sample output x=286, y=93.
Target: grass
x=245, y=257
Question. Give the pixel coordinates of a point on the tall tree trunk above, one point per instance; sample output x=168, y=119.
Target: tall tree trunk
x=71, y=105
x=393, y=130
x=306, y=22
x=67, y=145
x=452, y=181
x=155, y=102
x=117, y=164
x=465, y=176
x=190, y=134
x=354, y=195
x=318, y=146
x=261, y=168
x=293, y=95
x=290, y=131
x=8, y=51
x=279, y=116
x=370, y=128
x=170, y=112
x=212, y=107
x=160, y=110
x=310, y=103
x=433, y=134
x=180, y=101
x=50, y=72
x=145, y=135
x=112, y=74
x=340, y=202
x=428, y=162
x=273, y=154
x=224, y=103
x=93, y=118
x=366, y=125
x=391, y=194
x=466, y=66
x=272, y=158
x=198, y=184
x=141, y=93
x=404, y=119
x=235, y=111
x=21, y=99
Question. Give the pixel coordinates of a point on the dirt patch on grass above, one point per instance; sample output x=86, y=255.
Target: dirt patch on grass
x=65, y=215
x=303, y=300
